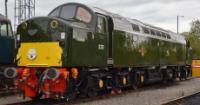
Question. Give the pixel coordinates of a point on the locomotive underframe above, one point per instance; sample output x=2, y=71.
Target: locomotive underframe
x=90, y=82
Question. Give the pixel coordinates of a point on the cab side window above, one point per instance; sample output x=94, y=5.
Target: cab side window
x=3, y=30
x=10, y=33
x=101, y=24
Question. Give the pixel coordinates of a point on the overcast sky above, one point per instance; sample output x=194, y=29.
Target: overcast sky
x=161, y=13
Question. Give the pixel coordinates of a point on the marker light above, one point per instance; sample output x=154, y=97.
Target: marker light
x=18, y=37
x=62, y=35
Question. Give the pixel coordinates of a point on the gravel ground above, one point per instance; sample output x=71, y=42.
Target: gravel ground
x=156, y=96
x=150, y=95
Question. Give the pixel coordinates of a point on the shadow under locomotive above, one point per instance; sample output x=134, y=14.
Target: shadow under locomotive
x=104, y=96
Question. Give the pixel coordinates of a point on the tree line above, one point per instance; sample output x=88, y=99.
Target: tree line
x=194, y=37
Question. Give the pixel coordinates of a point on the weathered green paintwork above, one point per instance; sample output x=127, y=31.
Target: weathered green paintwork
x=84, y=48
x=136, y=50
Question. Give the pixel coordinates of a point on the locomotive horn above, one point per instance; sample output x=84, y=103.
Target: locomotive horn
x=52, y=73
x=10, y=72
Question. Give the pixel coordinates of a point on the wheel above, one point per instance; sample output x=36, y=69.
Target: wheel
x=92, y=92
x=135, y=86
x=88, y=88
x=180, y=75
x=72, y=92
x=185, y=75
x=137, y=81
x=70, y=95
x=37, y=97
x=181, y=78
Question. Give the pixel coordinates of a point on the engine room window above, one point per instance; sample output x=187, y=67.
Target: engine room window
x=153, y=32
x=158, y=33
x=168, y=36
x=101, y=25
x=145, y=30
x=68, y=12
x=135, y=27
x=83, y=15
x=163, y=35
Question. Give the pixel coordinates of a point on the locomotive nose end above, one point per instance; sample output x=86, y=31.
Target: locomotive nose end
x=52, y=73
x=10, y=72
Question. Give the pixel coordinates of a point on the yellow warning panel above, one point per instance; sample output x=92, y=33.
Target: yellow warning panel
x=196, y=68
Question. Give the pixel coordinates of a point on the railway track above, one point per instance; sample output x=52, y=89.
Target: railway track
x=7, y=92
x=104, y=96
x=193, y=99
x=72, y=102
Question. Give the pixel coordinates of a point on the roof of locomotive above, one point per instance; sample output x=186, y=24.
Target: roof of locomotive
x=3, y=18
x=125, y=24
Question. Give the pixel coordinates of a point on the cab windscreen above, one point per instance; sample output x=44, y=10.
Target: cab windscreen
x=41, y=30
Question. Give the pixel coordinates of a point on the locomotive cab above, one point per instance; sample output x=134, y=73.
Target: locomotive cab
x=71, y=36
x=91, y=30
x=40, y=42
x=70, y=29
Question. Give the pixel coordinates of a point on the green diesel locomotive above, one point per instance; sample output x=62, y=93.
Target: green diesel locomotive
x=83, y=50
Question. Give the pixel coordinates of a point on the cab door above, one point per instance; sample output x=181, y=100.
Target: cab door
x=102, y=36
x=6, y=44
